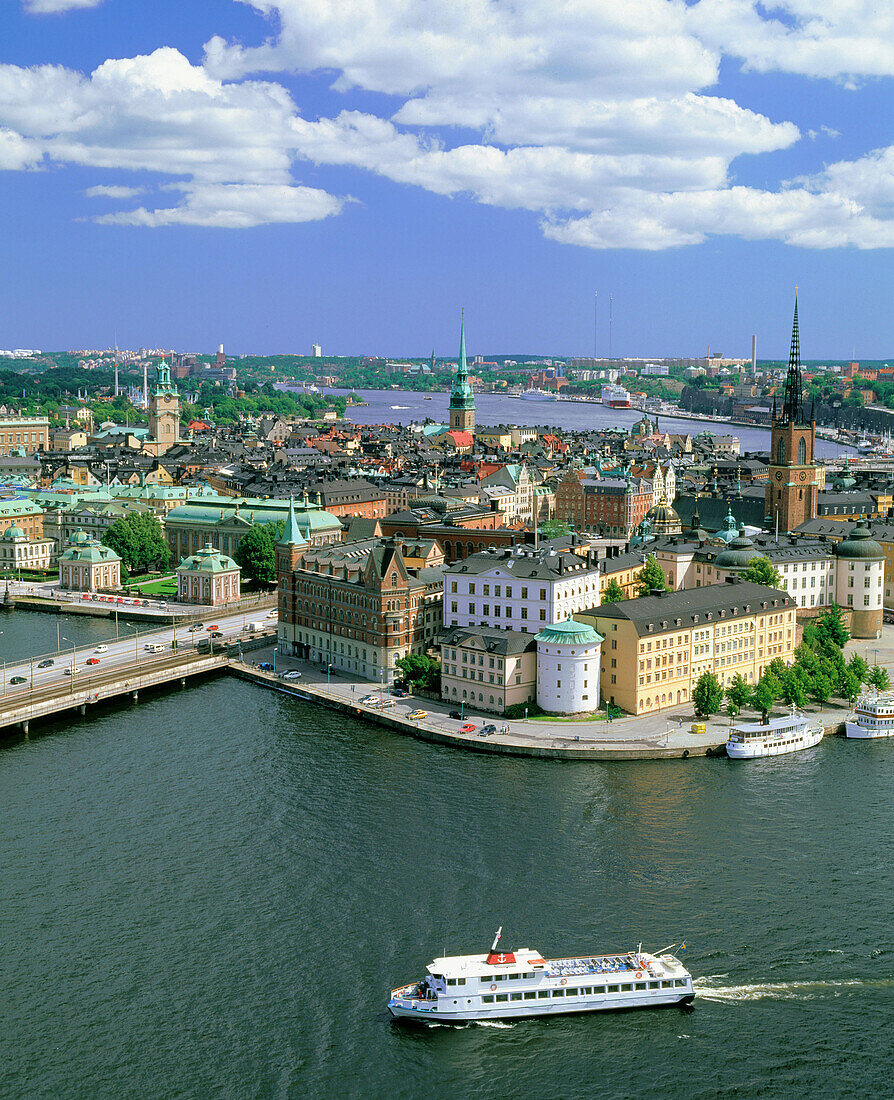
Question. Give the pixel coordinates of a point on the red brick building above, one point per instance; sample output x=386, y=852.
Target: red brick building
x=611, y=507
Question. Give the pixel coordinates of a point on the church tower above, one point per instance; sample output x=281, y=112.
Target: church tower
x=462, y=400
x=791, y=487
x=164, y=410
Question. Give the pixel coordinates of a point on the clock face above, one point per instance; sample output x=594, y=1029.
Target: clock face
x=779, y=475
x=803, y=475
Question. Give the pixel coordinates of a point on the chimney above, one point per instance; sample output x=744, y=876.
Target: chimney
x=754, y=353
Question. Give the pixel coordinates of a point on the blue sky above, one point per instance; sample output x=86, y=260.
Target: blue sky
x=270, y=173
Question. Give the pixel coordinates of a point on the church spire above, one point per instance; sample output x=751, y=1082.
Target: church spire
x=793, y=405
x=463, y=368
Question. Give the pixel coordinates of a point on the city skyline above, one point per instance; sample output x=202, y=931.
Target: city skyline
x=354, y=178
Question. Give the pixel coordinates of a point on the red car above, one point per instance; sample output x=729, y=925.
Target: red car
x=92, y=661
x=467, y=727
x=212, y=628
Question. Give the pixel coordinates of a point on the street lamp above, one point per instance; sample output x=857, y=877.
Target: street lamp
x=328, y=673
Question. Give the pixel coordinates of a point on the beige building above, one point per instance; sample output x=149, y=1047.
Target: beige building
x=32, y=433
x=208, y=577
x=17, y=551
x=88, y=566
x=656, y=647
x=488, y=669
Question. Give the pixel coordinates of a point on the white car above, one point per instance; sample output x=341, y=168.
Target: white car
x=154, y=647
x=71, y=671
x=101, y=649
x=293, y=674
x=370, y=700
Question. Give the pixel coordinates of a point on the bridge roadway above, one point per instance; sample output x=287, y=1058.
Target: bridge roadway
x=124, y=667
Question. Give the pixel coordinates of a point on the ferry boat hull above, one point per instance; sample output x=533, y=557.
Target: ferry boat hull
x=854, y=729
x=738, y=751
x=872, y=717
x=433, y=1014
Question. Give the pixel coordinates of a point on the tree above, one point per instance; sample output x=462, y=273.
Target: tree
x=859, y=668
x=707, y=695
x=650, y=576
x=761, y=570
x=553, y=530
x=613, y=592
x=420, y=671
x=795, y=685
x=256, y=553
x=138, y=540
x=849, y=685
x=830, y=627
x=765, y=693
x=738, y=693
x=879, y=678
x=822, y=687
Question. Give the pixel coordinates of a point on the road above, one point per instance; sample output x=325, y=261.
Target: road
x=129, y=647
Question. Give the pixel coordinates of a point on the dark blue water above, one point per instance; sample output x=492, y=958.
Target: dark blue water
x=211, y=893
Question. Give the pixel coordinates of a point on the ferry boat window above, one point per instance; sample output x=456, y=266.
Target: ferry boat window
x=558, y=992
x=543, y=994
x=530, y=996
x=485, y=979
x=451, y=981
x=530, y=975
x=514, y=977
x=679, y=982
x=627, y=988
x=502, y=996
x=667, y=985
x=642, y=985
x=654, y=985
x=515, y=996
x=487, y=999
x=500, y=977
x=614, y=989
x=460, y=981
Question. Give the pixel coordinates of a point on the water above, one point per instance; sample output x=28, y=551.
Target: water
x=407, y=406
x=211, y=893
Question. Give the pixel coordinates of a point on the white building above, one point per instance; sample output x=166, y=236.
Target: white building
x=519, y=588
x=316, y=351
x=568, y=660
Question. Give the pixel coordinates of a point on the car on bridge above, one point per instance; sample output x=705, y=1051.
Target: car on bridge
x=92, y=661
x=73, y=670
x=292, y=674
x=468, y=727
x=417, y=715
x=19, y=680
x=196, y=627
x=101, y=649
x=47, y=663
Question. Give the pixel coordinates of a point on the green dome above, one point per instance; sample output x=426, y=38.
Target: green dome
x=208, y=560
x=738, y=553
x=14, y=532
x=569, y=632
x=860, y=544
x=79, y=538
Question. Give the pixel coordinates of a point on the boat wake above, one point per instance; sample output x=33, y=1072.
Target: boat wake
x=400, y=406
x=492, y=1023
x=782, y=991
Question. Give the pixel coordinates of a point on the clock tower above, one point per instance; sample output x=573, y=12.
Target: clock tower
x=164, y=411
x=462, y=400
x=791, y=487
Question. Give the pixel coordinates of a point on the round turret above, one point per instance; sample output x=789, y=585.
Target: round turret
x=14, y=532
x=859, y=543
x=737, y=554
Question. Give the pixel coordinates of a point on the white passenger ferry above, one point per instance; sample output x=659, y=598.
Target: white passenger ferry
x=749, y=740
x=873, y=716
x=503, y=985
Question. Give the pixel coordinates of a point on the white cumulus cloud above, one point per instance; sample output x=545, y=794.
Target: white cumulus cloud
x=111, y=191
x=54, y=7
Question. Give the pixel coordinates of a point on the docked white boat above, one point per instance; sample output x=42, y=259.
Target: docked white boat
x=779, y=736
x=537, y=395
x=505, y=985
x=873, y=716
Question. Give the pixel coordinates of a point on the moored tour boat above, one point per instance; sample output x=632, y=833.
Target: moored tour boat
x=779, y=736
x=502, y=985
x=873, y=716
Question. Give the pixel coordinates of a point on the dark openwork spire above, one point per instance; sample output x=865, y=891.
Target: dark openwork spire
x=793, y=405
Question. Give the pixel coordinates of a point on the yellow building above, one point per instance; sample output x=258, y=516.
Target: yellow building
x=488, y=668
x=498, y=439
x=656, y=647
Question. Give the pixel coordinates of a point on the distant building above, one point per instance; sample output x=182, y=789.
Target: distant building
x=29, y=432
x=88, y=566
x=17, y=551
x=316, y=351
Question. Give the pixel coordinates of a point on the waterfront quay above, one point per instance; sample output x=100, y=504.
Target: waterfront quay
x=664, y=736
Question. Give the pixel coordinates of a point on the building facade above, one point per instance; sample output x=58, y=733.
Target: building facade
x=208, y=577
x=462, y=400
x=164, y=412
x=656, y=647
x=88, y=566
x=18, y=552
x=568, y=668
x=611, y=507
x=27, y=433
x=488, y=669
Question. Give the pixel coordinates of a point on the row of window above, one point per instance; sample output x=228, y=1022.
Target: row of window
x=583, y=991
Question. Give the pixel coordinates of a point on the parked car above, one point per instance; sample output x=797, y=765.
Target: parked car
x=265, y=666
x=487, y=730
x=18, y=680
x=92, y=661
x=455, y=714
x=386, y=703
x=468, y=727
x=292, y=674
x=399, y=693
x=369, y=700
x=417, y=715
x=47, y=663
x=101, y=649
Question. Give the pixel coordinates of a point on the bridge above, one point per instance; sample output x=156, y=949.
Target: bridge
x=77, y=679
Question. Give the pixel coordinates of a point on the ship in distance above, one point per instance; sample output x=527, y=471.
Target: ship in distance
x=503, y=985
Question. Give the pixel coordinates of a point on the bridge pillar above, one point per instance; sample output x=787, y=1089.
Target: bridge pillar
x=83, y=708
x=135, y=696
x=183, y=681
x=25, y=729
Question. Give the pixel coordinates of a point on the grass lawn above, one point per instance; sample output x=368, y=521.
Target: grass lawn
x=596, y=716
x=166, y=586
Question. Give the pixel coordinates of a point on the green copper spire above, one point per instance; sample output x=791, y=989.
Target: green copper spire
x=461, y=397
x=292, y=534
x=463, y=365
